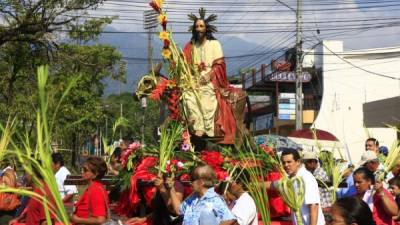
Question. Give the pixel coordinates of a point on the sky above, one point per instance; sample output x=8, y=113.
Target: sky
x=268, y=24
x=262, y=21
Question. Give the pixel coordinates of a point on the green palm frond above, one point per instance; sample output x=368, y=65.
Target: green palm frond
x=36, y=155
x=254, y=167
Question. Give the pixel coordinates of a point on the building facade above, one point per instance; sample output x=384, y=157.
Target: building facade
x=342, y=96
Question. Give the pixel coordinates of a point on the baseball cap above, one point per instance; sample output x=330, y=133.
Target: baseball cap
x=366, y=157
x=309, y=155
x=384, y=150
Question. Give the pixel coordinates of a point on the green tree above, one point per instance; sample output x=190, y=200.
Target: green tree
x=28, y=39
x=36, y=22
x=133, y=112
x=82, y=111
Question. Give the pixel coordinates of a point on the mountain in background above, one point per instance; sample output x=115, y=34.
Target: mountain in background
x=134, y=49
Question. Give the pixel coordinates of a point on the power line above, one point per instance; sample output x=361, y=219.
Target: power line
x=274, y=44
x=350, y=63
x=251, y=22
x=259, y=31
x=182, y=9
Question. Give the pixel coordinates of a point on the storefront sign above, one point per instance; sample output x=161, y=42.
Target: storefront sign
x=287, y=106
x=263, y=122
x=289, y=76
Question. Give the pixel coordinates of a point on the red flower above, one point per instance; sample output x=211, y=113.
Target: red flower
x=155, y=6
x=173, y=104
x=267, y=149
x=221, y=174
x=166, y=43
x=171, y=163
x=185, y=177
x=212, y=158
x=159, y=90
x=174, y=165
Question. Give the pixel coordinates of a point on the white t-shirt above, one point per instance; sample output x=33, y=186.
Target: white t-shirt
x=61, y=175
x=311, y=196
x=245, y=210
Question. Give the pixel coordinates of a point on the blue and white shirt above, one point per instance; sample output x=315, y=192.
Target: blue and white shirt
x=210, y=206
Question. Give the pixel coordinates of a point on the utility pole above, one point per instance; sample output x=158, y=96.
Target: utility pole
x=299, y=85
x=150, y=49
x=149, y=23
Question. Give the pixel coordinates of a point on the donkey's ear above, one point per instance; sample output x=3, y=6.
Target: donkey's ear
x=157, y=68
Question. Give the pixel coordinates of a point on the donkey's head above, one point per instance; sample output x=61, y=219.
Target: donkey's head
x=149, y=81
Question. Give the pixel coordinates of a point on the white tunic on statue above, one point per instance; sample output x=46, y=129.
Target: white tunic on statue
x=201, y=112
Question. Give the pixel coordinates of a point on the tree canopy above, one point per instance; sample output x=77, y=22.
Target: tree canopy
x=58, y=33
x=36, y=21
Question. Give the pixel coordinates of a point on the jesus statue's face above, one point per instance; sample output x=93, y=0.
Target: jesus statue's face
x=200, y=27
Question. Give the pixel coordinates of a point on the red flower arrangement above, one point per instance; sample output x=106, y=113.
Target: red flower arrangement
x=212, y=158
x=168, y=88
x=159, y=90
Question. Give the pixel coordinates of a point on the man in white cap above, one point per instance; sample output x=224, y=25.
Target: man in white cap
x=370, y=160
x=310, y=160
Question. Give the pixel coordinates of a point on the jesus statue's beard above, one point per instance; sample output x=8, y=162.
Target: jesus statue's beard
x=198, y=36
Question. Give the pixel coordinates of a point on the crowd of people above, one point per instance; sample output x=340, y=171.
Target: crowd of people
x=366, y=200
